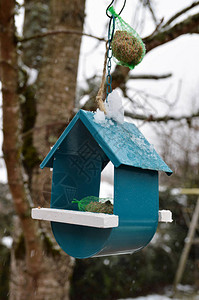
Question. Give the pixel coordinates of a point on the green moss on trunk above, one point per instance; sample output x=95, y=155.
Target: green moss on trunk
x=49, y=247
x=4, y=272
x=20, y=249
x=29, y=112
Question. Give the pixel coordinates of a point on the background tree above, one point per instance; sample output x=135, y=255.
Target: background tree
x=35, y=259
x=36, y=110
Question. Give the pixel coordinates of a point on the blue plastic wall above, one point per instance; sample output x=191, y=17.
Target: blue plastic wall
x=136, y=202
x=77, y=170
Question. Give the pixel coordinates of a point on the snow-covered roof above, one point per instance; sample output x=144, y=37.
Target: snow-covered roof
x=122, y=143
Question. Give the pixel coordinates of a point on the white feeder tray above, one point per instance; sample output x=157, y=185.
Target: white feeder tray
x=86, y=218
x=76, y=217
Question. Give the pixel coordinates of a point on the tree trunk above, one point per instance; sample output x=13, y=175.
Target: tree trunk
x=36, y=19
x=57, y=78
x=12, y=143
x=55, y=108
x=39, y=269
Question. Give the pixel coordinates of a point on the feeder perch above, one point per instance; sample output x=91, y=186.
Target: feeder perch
x=77, y=159
x=75, y=217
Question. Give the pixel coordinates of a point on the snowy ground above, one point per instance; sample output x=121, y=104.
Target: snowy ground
x=159, y=297
x=185, y=292
x=150, y=297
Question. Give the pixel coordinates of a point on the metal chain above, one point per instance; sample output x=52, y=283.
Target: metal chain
x=109, y=56
x=111, y=30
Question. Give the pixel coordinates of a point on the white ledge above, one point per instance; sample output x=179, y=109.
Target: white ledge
x=86, y=218
x=165, y=216
x=76, y=217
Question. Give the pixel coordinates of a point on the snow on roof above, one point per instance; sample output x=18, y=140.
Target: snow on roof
x=122, y=143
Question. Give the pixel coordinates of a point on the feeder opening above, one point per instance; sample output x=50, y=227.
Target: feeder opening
x=107, y=182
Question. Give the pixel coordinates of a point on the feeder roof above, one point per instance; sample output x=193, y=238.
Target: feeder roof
x=123, y=143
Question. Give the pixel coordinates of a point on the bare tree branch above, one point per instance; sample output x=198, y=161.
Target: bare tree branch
x=148, y=4
x=165, y=119
x=156, y=29
x=180, y=13
x=189, y=25
x=150, y=76
x=54, y=32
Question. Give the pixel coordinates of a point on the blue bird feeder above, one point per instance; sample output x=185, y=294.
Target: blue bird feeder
x=77, y=159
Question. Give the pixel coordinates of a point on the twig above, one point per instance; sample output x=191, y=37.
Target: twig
x=165, y=119
x=180, y=13
x=148, y=4
x=54, y=32
x=189, y=25
x=147, y=94
x=156, y=29
x=177, y=95
x=150, y=76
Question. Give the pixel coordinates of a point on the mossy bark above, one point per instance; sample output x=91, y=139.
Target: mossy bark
x=37, y=14
x=55, y=98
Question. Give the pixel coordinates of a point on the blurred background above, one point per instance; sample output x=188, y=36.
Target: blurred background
x=51, y=62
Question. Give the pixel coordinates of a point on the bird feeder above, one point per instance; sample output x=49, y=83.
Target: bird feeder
x=78, y=158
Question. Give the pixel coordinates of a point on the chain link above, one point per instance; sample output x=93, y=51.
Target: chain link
x=109, y=57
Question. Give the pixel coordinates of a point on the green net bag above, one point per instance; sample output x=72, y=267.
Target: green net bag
x=127, y=47
x=85, y=201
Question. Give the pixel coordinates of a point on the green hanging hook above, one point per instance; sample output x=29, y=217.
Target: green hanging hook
x=111, y=5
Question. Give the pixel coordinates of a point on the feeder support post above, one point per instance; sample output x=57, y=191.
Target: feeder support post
x=188, y=243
